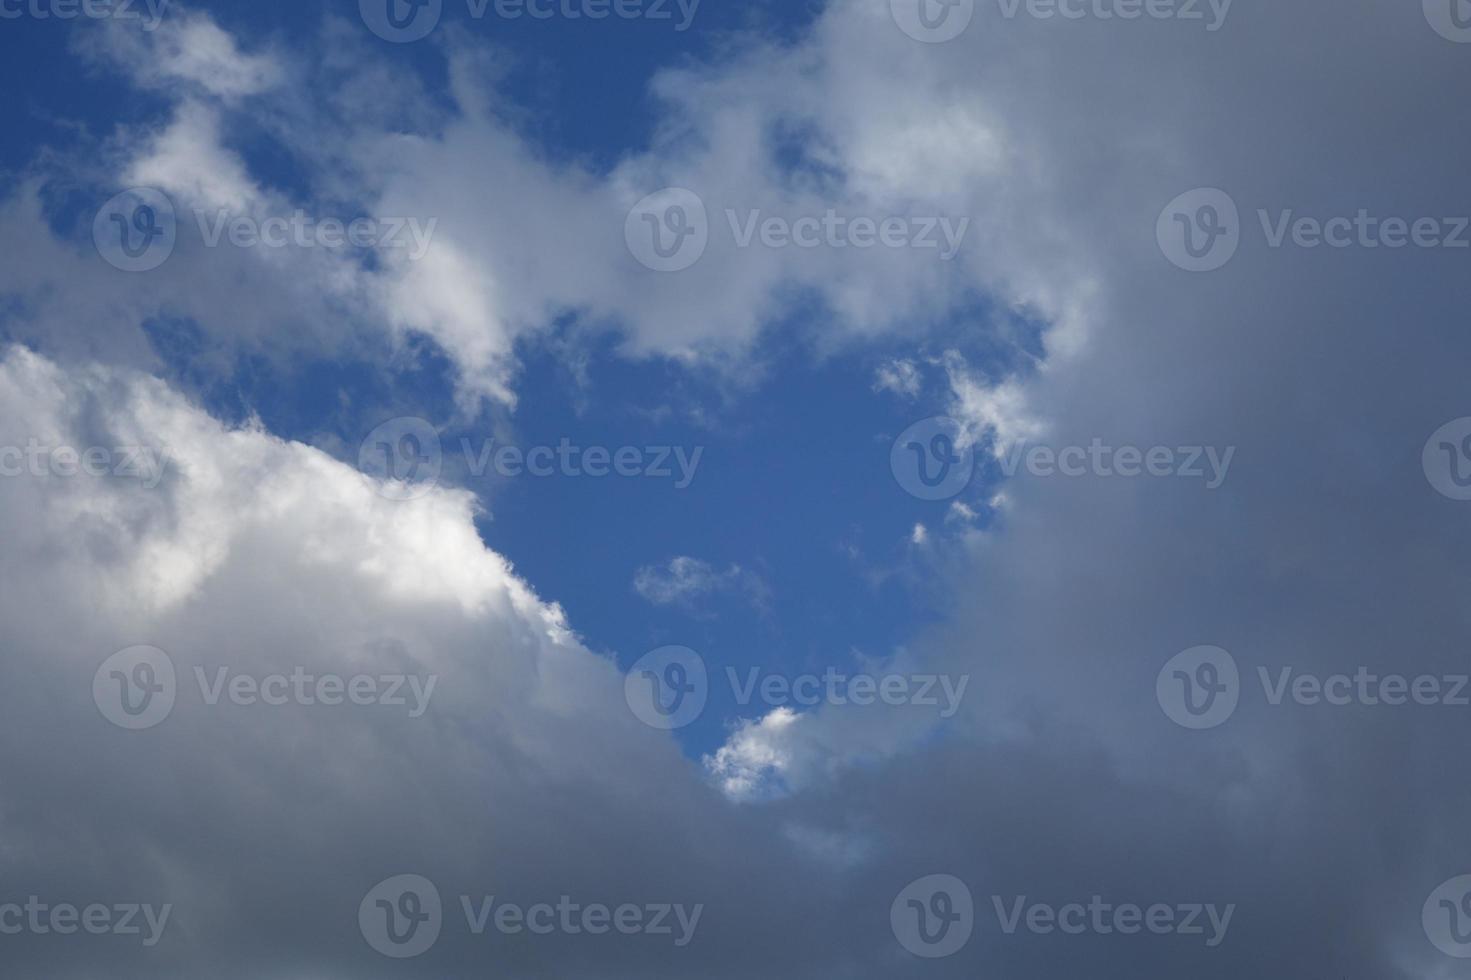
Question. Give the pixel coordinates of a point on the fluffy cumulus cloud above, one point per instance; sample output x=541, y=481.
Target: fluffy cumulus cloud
x=1061, y=778
x=260, y=558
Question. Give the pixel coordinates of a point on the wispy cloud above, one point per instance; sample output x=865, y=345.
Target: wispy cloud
x=685, y=581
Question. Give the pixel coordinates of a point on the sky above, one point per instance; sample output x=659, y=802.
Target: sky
x=647, y=488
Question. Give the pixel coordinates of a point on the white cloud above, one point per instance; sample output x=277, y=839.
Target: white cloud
x=187, y=161
x=684, y=580
x=485, y=283
x=261, y=555
x=901, y=376
x=996, y=411
x=187, y=51
x=759, y=757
